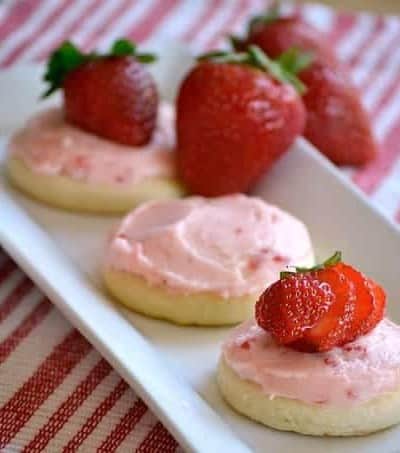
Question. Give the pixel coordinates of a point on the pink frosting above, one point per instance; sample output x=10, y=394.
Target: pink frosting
x=233, y=245
x=352, y=374
x=51, y=146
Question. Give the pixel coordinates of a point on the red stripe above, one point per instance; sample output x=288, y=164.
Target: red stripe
x=68, y=407
x=16, y=17
x=6, y=269
x=143, y=30
x=203, y=19
x=372, y=176
x=342, y=24
x=92, y=39
x=158, y=439
x=236, y=15
x=34, y=318
x=124, y=427
x=50, y=21
x=11, y=302
x=44, y=381
x=68, y=31
x=95, y=418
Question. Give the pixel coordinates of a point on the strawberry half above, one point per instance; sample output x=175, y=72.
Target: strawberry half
x=337, y=123
x=314, y=310
x=237, y=113
x=111, y=95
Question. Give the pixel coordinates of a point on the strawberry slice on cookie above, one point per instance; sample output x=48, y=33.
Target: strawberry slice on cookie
x=316, y=309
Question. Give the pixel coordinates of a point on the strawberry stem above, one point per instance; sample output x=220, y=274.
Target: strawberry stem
x=283, y=71
x=68, y=57
x=331, y=261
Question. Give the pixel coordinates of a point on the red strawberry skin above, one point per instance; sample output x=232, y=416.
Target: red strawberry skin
x=321, y=309
x=113, y=97
x=282, y=34
x=337, y=123
x=233, y=123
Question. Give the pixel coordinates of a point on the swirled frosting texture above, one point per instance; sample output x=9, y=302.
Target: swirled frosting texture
x=233, y=245
x=352, y=374
x=51, y=146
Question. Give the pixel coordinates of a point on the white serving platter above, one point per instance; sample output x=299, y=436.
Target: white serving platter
x=172, y=368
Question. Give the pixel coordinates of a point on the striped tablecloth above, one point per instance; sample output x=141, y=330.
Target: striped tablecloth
x=56, y=392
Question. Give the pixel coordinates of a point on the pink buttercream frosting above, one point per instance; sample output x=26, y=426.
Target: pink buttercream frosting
x=233, y=245
x=51, y=146
x=352, y=374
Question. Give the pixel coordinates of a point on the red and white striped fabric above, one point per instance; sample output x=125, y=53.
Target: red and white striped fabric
x=56, y=392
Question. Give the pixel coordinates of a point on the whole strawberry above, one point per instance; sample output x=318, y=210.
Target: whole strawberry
x=337, y=123
x=112, y=95
x=237, y=113
x=314, y=310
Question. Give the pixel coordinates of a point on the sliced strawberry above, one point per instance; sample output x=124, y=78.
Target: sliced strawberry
x=293, y=305
x=332, y=329
x=314, y=310
x=365, y=301
x=379, y=297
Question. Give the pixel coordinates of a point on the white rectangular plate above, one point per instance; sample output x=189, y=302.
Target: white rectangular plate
x=173, y=368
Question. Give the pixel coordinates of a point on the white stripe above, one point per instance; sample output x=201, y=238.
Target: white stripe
x=95, y=21
x=54, y=32
x=388, y=116
x=10, y=284
x=386, y=76
x=368, y=61
x=180, y=21
x=30, y=353
x=320, y=16
x=45, y=411
x=34, y=23
x=214, y=24
x=387, y=196
x=5, y=10
x=127, y=20
x=137, y=435
x=84, y=411
x=28, y=303
x=109, y=422
x=359, y=33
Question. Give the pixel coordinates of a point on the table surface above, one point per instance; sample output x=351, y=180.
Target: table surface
x=56, y=392
x=377, y=6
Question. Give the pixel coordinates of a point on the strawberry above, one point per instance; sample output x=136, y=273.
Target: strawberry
x=314, y=310
x=111, y=95
x=237, y=113
x=337, y=123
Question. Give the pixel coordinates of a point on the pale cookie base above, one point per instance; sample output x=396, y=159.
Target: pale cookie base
x=67, y=193
x=203, y=309
x=293, y=415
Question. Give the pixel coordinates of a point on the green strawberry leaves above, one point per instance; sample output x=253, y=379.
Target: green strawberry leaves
x=68, y=57
x=336, y=258
x=283, y=69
